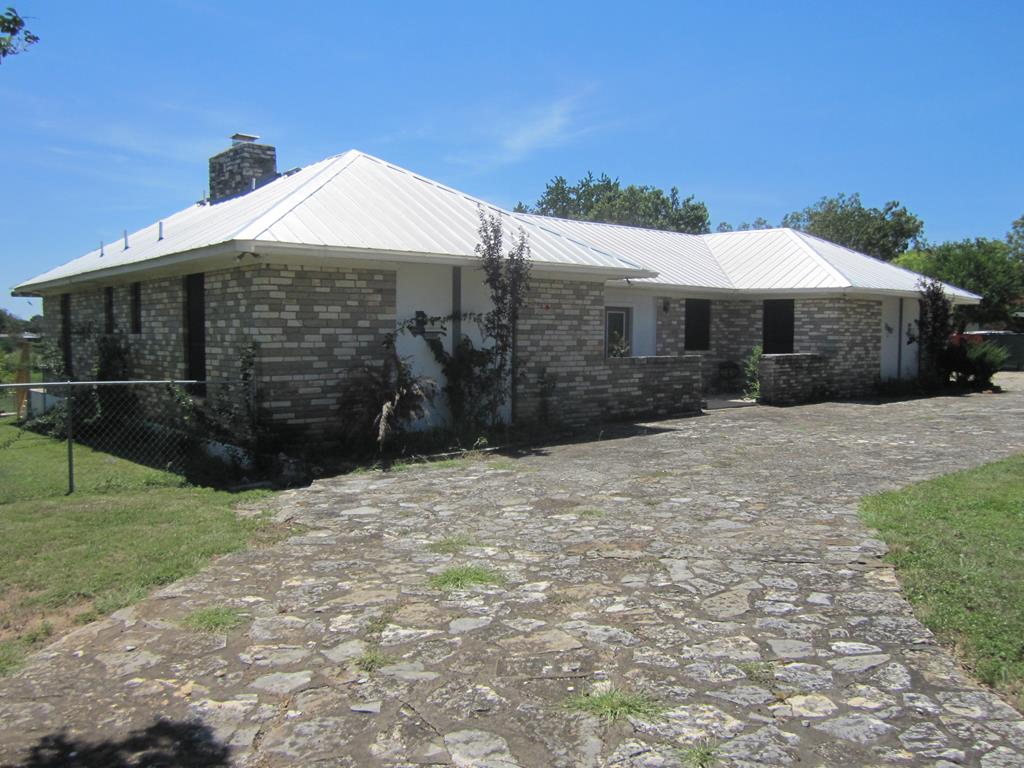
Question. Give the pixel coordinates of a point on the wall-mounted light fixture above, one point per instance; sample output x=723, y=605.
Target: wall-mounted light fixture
x=666, y=304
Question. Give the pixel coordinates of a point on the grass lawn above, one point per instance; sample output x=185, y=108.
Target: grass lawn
x=66, y=560
x=958, y=546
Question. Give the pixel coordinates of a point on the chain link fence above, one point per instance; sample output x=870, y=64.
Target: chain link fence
x=192, y=428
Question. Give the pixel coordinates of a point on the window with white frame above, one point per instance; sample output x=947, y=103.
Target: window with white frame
x=618, y=331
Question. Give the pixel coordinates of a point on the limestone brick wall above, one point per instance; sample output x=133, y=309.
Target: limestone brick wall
x=565, y=375
x=735, y=331
x=309, y=327
x=790, y=379
x=846, y=331
x=313, y=326
x=669, y=325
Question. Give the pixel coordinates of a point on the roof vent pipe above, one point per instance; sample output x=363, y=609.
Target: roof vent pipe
x=126, y=239
x=101, y=249
x=160, y=232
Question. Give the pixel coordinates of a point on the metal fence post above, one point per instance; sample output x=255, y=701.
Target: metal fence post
x=71, y=440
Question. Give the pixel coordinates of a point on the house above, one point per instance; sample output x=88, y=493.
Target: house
x=313, y=268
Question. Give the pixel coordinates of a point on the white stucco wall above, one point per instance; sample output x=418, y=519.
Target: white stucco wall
x=425, y=288
x=428, y=288
x=899, y=359
x=644, y=322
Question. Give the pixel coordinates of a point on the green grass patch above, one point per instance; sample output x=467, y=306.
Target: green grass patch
x=373, y=659
x=958, y=546
x=126, y=530
x=13, y=650
x=214, y=619
x=760, y=672
x=589, y=512
x=465, y=576
x=613, y=704
x=702, y=755
x=450, y=545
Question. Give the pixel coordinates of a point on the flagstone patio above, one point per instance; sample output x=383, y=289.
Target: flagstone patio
x=715, y=564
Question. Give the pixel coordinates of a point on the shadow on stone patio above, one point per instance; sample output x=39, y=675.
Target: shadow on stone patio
x=165, y=743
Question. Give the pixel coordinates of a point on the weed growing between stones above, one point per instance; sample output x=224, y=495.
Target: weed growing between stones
x=760, y=672
x=376, y=626
x=463, y=577
x=589, y=512
x=701, y=755
x=372, y=659
x=450, y=545
x=216, y=619
x=611, y=704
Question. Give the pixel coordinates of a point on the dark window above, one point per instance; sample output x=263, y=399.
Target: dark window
x=697, y=328
x=778, y=326
x=108, y=309
x=618, y=331
x=195, y=329
x=65, y=331
x=136, y=307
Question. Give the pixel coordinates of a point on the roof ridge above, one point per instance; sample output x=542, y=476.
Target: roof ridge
x=744, y=231
x=829, y=266
x=609, y=224
x=517, y=214
x=514, y=215
x=286, y=203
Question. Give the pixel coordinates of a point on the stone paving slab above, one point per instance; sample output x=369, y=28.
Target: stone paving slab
x=715, y=563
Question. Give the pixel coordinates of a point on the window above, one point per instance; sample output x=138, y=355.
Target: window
x=136, y=307
x=697, y=326
x=108, y=309
x=195, y=330
x=778, y=326
x=65, y=331
x=618, y=331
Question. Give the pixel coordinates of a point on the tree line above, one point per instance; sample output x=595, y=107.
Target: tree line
x=992, y=268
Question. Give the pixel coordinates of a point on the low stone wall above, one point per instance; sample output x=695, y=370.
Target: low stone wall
x=619, y=388
x=566, y=378
x=651, y=386
x=800, y=377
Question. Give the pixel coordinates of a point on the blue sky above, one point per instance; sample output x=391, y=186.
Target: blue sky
x=756, y=108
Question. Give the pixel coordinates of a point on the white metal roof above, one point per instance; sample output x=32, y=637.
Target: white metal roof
x=357, y=205
x=351, y=201
x=682, y=260
x=765, y=260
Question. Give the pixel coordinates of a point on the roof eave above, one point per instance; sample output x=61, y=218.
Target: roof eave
x=171, y=262
x=221, y=253
x=963, y=298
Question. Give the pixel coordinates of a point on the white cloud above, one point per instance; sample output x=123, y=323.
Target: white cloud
x=523, y=130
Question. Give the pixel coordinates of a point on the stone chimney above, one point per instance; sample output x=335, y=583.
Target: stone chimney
x=242, y=168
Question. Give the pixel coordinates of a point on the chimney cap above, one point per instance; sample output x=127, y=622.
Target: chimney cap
x=244, y=138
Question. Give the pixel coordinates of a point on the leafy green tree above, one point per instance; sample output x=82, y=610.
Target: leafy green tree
x=604, y=199
x=10, y=323
x=986, y=267
x=759, y=223
x=1015, y=239
x=932, y=333
x=884, y=232
x=14, y=38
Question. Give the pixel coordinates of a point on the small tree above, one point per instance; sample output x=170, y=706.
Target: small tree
x=508, y=278
x=479, y=380
x=933, y=331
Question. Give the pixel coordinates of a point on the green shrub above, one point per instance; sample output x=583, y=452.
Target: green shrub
x=752, y=373
x=985, y=359
x=378, y=402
